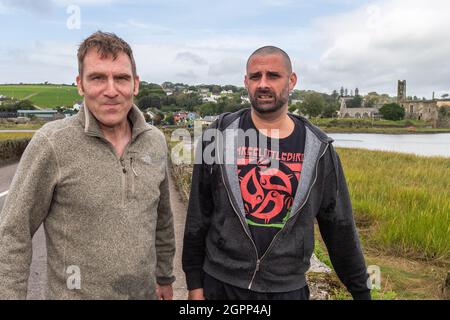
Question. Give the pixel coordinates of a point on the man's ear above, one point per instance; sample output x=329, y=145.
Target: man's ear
x=292, y=81
x=80, y=86
x=136, y=85
x=246, y=82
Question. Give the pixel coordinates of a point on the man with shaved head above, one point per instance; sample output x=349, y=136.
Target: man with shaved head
x=250, y=222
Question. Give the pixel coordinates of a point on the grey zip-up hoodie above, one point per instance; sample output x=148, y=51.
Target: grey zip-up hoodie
x=107, y=220
x=218, y=241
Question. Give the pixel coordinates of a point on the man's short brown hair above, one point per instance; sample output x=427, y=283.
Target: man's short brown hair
x=106, y=44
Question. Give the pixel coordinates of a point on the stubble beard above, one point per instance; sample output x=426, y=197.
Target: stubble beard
x=280, y=101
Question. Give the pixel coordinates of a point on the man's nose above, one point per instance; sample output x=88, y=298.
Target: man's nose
x=263, y=83
x=111, y=90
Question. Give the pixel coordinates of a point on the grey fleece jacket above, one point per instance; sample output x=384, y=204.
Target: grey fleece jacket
x=107, y=217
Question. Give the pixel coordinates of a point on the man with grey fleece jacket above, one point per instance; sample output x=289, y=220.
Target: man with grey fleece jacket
x=98, y=182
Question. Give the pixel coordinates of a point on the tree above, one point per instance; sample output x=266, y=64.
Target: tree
x=167, y=85
x=158, y=119
x=330, y=108
x=313, y=104
x=230, y=87
x=356, y=92
x=392, y=111
x=445, y=96
x=444, y=112
x=206, y=109
x=215, y=89
x=342, y=91
x=146, y=89
x=24, y=105
x=355, y=102
x=150, y=101
x=169, y=118
x=335, y=95
x=371, y=101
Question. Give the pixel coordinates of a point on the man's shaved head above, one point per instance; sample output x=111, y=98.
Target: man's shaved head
x=270, y=50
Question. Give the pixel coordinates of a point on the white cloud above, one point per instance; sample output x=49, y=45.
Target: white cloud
x=40, y=62
x=150, y=28
x=65, y=3
x=12, y=6
x=4, y=9
x=374, y=46
x=191, y=57
x=42, y=6
x=370, y=47
x=226, y=67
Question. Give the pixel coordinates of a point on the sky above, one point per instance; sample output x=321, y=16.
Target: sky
x=332, y=43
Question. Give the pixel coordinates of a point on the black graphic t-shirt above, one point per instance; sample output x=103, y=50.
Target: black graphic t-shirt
x=269, y=173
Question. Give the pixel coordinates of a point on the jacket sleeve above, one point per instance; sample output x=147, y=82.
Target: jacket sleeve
x=199, y=211
x=338, y=230
x=165, y=236
x=26, y=207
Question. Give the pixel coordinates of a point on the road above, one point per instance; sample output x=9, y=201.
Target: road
x=38, y=266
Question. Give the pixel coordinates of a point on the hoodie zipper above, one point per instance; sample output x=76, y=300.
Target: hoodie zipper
x=239, y=217
x=243, y=226
x=295, y=213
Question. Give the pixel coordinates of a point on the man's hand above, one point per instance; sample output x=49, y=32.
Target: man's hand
x=196, y=294
x=164, y=292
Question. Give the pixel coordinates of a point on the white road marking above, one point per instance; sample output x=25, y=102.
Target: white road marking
x=4, y=193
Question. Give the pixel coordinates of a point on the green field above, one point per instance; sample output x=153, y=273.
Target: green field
x=401, y=202
x=15, y=136
x=44, y=96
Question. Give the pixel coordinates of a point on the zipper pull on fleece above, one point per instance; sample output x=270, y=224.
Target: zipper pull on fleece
x=132, y=168
x=122, y=163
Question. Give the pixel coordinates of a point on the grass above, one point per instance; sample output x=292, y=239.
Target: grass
x=376, y=126
x=322, y=254
x=15, y=135
x=44, y=96
x=397, y=130
x=28, y=126
x=402, y=206
x=401, y=278
x=402, y=202
x=368, y=123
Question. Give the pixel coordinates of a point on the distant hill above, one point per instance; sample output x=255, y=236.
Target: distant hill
x=44, y=96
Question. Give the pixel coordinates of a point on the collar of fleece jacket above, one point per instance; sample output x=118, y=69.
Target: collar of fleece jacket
x=91, y=127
